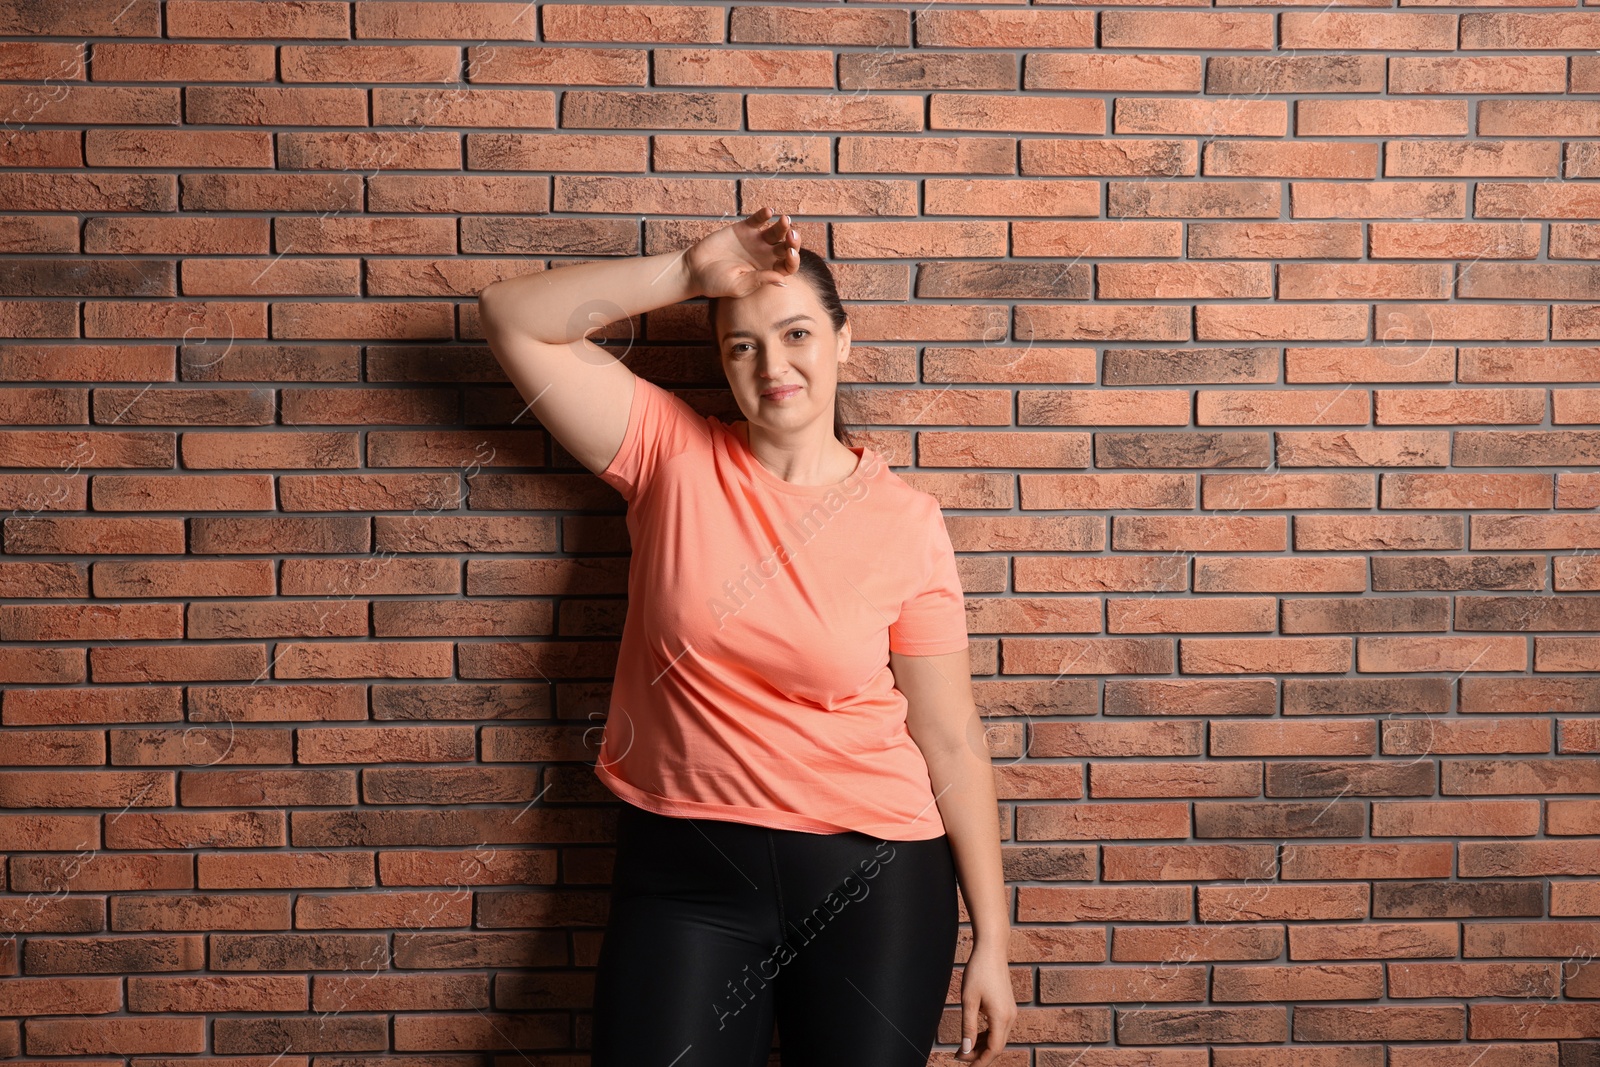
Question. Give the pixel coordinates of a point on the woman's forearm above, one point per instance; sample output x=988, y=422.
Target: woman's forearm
x=558, y=306
x=963, y=782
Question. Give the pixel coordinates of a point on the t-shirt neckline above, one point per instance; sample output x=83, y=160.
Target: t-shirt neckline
x=790, y=487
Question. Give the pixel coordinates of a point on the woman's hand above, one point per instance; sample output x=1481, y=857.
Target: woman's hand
x=737, y=260
x=986, y=987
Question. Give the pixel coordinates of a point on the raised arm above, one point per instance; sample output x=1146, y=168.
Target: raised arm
x=536, y=324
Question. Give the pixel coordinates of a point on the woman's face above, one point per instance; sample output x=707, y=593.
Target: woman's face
x=780, y=338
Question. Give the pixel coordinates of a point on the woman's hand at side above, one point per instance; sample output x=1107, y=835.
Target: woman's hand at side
x=738, y=259
x=986, y=988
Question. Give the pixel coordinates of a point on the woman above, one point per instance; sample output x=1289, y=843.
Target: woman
x=792, y=729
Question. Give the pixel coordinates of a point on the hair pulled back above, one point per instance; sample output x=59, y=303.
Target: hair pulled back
x=814, y=269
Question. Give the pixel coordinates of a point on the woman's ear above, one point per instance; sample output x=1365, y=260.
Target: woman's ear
x=844, y=342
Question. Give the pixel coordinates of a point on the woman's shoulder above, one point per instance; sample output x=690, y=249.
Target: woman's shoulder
x=915, y=505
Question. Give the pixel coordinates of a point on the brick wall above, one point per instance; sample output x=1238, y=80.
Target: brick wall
x=1252, y=352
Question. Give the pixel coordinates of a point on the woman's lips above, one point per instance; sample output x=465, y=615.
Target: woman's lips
x=781, y=392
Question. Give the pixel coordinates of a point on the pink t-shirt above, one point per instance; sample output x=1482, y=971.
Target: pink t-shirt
x=753, y=681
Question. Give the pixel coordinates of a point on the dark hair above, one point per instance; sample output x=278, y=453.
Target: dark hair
x=814, y=269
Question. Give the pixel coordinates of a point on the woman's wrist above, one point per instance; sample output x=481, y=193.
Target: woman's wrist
x=991, y=940
x=686, y=279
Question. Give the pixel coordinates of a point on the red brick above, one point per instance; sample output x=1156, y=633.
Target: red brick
x=244, y=18
x=426, y=19
x=1363, y=281
x=1199, y=533
x=1576, y=489
x=1274, y=240
x=371, y=576
x=1383, y=119
x=1299, y=407
x=1265, y=655
x=182, y=492
x=1368, y=861
x=1501, y=158
x=1361, y=200
x=1154, y=615
x=1565, y=654
x=129, y=61
x=1249, y=158
x=235, y=620
x=1120, y=574
x=57, y=1037
x=39, y=579
x=1373, y=941
x=1107, y=492
x=47, y=666
x=1294, y=738
x=1287, y=322
x=797, y=111
x=370, y=63
x=1185, y=29
x=178, y=663
x=1380, y=363
x=1381, y=1023
x=1509, y=818
x=1263, y=119
x=1065, y=29
x=98, y=704
x=945, y=196
x=34, y=493
x=1116, y=322
x=1525, y=31
x=1433, y=979
x=455, y=448
x=183, y=578
x=368, y=659
x=1194, y=281
x=1104, y=407
x=253, y=536
x=1474, y=241
x=1112, y=72
x=1367, y=30
x=70, y=451
x=1253, y=574
x=1520, y=200
x=1551, y=363
x=1581, y=406
x=1451, y=491
x=93, y=536
x=1363, y=448
x=1263, y=941
x=1477, y=74
x=1102, y=821
x=1092, y=655
x=1461, y=322
x=1124, y=155
x=91, y=622
x=580, y=22
x=1495, y=532
x=1459, y=406
x=1378, y=533
x=369, y=492
x=1286, y=492
x=1400, y=654
x=1320, y=981
x=1082, y=986
x=264, y=451
x=1067, y=239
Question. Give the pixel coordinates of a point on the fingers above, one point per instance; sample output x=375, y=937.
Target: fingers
x=767, y=223
x=781, y=228
x=778, y=231
x=969, y=1027
x=786, y=251
x=978, y=1049
x=993, y=1043
x=994, y=1039
x=761, y=216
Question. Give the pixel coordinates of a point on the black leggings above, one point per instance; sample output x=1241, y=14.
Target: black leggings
x=719, y=928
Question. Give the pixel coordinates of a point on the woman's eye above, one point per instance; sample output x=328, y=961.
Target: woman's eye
x=737, y=349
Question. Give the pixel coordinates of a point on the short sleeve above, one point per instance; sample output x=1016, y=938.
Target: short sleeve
x=934, y=620
x=660, y=425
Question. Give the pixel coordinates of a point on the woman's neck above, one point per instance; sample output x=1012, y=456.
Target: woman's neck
x=843, y=459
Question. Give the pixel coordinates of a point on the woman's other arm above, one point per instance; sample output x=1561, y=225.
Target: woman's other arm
x=536, y=324
x=944, y=723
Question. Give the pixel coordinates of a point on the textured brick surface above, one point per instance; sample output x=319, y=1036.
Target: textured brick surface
x=1253, y=353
